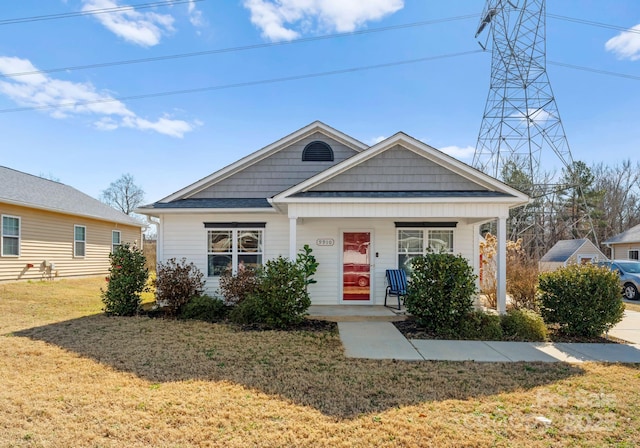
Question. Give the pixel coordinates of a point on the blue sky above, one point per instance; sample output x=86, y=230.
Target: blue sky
x=168, y=142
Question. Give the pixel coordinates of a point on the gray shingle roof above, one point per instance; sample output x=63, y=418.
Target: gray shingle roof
x=211, y=203
x=631, y=235
x=27, y=190
x=562, y=250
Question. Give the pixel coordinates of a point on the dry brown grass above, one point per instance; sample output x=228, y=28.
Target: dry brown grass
x=73, y=377
x=632, y=306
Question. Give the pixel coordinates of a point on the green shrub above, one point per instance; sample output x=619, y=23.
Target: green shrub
x=584, y=300
x=281, y=299
x=176, y=283
x=523, y=325
x=208, y=309
x=308, y=264
x=440, y=291
x=126, y=281
x=481, y=326
x=236, y=288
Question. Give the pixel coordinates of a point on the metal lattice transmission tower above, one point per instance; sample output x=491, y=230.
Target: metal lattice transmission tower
x=521, y=124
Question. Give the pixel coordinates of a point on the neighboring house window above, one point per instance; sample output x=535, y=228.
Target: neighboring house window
x=633, y=255
x=115, y=240
x=415, y=242
x=10, y=236
x=317, y=152
x=233, y=249
x=79, y=240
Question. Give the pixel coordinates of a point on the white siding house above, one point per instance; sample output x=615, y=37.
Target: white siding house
x=361, y=209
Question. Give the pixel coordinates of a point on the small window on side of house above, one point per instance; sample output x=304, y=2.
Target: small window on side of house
x=634, y=254
x=116, y=239
x=10, y=231
x=79, y=241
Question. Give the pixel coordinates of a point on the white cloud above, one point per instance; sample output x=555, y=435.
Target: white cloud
x=459, y=152
x=40, y=91
x=140, y=28
x=376, y=140
x=287, y=19
x=626, y=45
x=195, y=15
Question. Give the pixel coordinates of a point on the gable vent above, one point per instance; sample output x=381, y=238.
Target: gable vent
x=317, y=152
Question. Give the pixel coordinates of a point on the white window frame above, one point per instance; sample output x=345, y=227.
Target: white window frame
x=18, y=237
x=426, y=240
x=637, y=254
x=76, y=241
x=234, y=252
x=119, y=243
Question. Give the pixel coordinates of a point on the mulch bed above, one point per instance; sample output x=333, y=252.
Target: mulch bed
x=411, y=330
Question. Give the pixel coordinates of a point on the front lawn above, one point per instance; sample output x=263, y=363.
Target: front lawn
x=74, y=377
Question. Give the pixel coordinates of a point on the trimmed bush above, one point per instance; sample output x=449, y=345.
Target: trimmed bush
x=176, y=283
x=523, y=325
x=126, y=281
x=281, y=299
x=208, y=309
x=481, y=326
x=440, y=292
x=584, y=300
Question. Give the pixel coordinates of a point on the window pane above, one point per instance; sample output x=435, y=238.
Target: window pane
x=404, y=263
x=115, y=238
x=10, y=246
x=10, y=226
x=218, y=264
x=80, y=233
x=249, y=241
x=249, y=261
x=441, y=240
x=79, y=249
x=410, y=241
x=220, y=241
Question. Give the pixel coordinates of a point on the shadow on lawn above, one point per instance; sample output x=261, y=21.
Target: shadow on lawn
x=308, y=368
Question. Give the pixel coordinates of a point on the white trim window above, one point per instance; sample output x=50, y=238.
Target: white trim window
x=116, y=240
x=415, y=242
x=79, y=241
x=11, y=229
x=633, y=254
x=233, y=249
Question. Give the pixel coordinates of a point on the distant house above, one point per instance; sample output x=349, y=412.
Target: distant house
x=362, y=209
x=625, y=245
x=49, y=229
x=566, y=252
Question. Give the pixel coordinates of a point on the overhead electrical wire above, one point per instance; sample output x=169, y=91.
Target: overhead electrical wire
x=240, y=48
x=241, y=84
x=592, y=23
x=94, y=11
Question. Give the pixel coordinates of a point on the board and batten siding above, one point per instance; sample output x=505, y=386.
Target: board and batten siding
x=49, y=236
x=276, y=173
x=184, y=235
x=398, y=169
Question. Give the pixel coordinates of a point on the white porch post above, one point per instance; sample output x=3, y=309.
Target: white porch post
x=293, y=237
x=501, y=265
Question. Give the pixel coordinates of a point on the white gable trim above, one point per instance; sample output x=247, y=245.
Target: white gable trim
x=316, y=126
x=417, y=147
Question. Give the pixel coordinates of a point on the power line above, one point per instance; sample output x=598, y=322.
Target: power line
x=93, y=11
x=240, y=48
x=592, y=23
x=595, y=70
x=242, y=84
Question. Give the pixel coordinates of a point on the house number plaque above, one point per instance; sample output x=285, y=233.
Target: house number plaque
x=325, y=242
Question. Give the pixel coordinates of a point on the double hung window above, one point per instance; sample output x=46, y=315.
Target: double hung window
x=233, y=249
x=116, y=240
x=415, y=242
x=79, y=241
x=10, y=236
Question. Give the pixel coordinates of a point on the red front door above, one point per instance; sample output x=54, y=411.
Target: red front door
x=356, y=266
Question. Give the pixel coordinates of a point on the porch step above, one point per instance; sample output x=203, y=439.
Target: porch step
x=356, y=313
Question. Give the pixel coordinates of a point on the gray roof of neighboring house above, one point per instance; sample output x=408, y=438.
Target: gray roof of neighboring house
x=631, y=235
x=563, y=250
x=31, y=191
x=211, y=203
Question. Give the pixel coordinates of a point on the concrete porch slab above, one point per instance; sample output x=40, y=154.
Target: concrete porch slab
x=355, y=313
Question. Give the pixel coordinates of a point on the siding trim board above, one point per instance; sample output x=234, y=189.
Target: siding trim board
x=234, y=225
x=426, y=224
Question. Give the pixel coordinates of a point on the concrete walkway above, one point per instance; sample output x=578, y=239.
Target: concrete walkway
x=382, y=340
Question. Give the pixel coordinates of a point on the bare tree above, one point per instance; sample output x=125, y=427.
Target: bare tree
x=123, y=194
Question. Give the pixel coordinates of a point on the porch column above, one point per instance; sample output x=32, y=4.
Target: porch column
x=501, y=265
x=293, y=237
